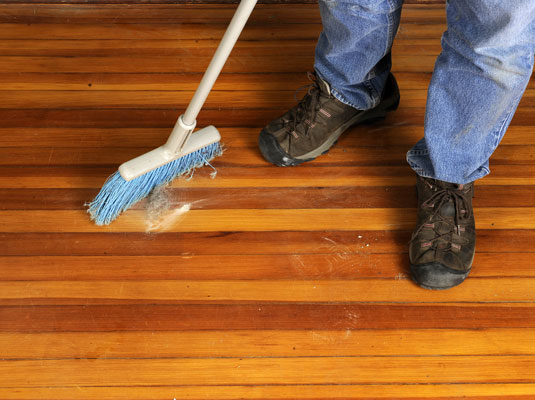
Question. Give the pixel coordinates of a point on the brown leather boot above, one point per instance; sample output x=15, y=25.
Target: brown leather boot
x=314, y=125
x=443, y=243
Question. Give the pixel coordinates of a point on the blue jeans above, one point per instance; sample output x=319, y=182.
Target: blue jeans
x=478, y=80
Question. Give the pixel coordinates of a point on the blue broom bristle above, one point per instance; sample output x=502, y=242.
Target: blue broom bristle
x=117, y=195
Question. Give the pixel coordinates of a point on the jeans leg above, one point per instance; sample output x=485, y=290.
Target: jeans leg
x=353, y=50
x=478, y=80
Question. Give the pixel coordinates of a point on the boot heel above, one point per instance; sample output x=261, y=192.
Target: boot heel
x=394, y=106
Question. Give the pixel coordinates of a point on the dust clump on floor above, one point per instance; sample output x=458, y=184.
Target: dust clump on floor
x=159, y=215
x=158, y=203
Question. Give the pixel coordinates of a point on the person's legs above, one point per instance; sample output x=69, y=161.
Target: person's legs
x=353, y=50
x=351, y=85
x=479, y=78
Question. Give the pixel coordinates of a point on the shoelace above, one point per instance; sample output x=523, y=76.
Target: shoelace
x=306, y=108
x=437, y=200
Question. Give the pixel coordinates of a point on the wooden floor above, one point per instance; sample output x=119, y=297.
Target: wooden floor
x=265, y=282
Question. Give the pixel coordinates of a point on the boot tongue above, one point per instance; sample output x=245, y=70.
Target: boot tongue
x=448, y=185
x=448, y=209
x=324, y=86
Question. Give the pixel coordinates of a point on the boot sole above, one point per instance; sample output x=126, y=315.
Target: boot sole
x=437, y=272
x=461, y=277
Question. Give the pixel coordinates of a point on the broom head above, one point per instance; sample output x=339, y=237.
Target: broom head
x=138, y=177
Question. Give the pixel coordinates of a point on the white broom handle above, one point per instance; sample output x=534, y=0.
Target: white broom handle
x=186, y=122
x=226, y=45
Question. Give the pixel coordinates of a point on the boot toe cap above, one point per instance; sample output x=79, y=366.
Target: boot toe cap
x=272, y=151
x=436, y=276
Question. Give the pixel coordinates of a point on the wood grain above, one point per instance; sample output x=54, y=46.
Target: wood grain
x=278, y=283
x=236, y=198
x=134, y=99
x=287, y=291
x=254, y=220
x=177, y=81
x=244, y=157
x=494, y=241
x=274, y=343
x=360, y=262
x=516, y=391
x=257, y=316
x=265, y=371
x=159, y=12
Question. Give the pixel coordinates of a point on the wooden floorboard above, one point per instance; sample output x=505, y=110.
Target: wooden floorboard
x=260, y=282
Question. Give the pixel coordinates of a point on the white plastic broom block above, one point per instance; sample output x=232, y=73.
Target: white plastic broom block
x=161, y=155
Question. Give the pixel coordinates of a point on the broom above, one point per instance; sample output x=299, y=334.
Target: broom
x=184, y=150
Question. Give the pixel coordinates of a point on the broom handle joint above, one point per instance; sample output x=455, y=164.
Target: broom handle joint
x=179, y=136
